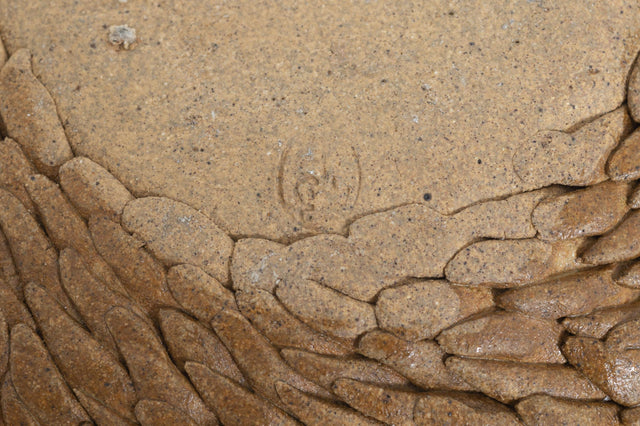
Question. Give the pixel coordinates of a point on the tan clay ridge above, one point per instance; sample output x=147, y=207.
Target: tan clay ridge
x=142, y=310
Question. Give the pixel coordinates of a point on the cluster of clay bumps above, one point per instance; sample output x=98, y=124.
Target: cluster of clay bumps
x=123, y=310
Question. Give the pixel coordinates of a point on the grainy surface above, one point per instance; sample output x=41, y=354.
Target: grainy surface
x=152, y=371
x=543, y=409
x=420, y=362
x=405, y=214
x=422, y=309
x=85, y=365
x=15, y=171
x=92, y=189
x=188, y=340
x=591, y=211
x=29, y=115
x=38, y=382
x=620, y=244
x=570, y=295
x=505, y=336
x=392, y=100
x=508, y=381
x=608, y=363
x=451, y=408
x=175, y=233
x=234, y=404
x=315, y=411
x=510, y=263
x=551, y=156
x=325, y=369
x=385, y=404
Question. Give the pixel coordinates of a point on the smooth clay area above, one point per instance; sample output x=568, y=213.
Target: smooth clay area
x=339, y=213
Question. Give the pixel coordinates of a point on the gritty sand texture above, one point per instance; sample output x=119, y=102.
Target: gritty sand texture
x=340, y=213
x=304, y=118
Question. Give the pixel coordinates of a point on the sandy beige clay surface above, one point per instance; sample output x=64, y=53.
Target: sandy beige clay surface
x=323, y=213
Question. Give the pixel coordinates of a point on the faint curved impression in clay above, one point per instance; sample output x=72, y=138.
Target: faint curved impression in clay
x=319, y=184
